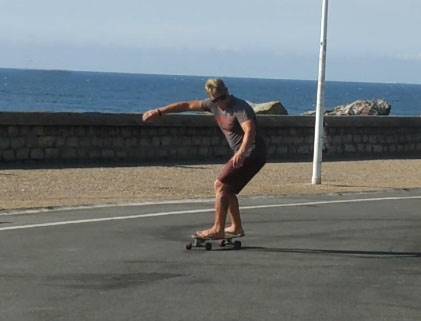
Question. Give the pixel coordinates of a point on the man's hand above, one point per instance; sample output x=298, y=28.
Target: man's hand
x=238, y=159
x=151, y=115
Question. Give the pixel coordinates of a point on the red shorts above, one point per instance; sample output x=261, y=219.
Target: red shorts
x=238, y=177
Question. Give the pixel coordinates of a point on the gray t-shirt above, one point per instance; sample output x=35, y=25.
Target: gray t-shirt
x=230, y=120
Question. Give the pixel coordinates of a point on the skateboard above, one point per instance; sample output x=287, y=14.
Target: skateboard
x=228, y=241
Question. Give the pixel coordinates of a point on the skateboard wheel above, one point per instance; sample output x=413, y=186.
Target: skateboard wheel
x=222, y=243
x=208, y=246
x=237, y=245
x=189, y=246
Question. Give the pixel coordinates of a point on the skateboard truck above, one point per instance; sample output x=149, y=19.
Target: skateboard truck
x=230, y=241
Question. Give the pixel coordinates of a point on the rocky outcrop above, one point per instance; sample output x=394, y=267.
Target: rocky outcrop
x=269, y=108
x=378, y=107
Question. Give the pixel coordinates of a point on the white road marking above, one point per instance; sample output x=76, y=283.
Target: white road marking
x=104, y=219
x=88, y=207
x=184, y=212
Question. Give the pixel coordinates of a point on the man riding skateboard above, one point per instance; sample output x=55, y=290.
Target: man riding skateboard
x=237, y=120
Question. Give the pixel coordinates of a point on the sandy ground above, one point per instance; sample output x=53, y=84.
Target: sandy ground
x=41, y=188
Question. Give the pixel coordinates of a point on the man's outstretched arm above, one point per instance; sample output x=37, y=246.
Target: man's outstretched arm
x=153, y=114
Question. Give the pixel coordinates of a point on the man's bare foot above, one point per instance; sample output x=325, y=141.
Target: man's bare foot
x=209, y=234
x=234, y=231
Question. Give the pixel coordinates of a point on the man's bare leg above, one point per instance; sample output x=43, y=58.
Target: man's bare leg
x=223, y=198
x=234, y=213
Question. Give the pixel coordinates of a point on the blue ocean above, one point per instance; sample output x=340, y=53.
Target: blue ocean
x=76, y=91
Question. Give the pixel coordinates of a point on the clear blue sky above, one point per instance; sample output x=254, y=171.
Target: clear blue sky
x=368, y=40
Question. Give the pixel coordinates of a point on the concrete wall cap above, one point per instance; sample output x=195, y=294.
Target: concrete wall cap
x=196, y=120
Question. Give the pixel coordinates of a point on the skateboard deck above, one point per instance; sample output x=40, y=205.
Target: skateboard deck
x=230, y=240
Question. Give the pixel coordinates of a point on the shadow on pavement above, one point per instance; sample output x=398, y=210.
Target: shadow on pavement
x=334, y=252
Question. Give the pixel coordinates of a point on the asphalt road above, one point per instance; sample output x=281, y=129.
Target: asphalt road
x=349, y=257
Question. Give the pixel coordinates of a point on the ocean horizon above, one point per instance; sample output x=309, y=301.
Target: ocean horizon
x=37, y=90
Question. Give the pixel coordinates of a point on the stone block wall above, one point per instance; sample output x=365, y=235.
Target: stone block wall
x=121, y=138
x=373, y=137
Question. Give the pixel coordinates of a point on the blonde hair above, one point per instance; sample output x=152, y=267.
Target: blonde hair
x=216, y=88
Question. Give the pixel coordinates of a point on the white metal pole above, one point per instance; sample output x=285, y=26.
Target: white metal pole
x=318, y=129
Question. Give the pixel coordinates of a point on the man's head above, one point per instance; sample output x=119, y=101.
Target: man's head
x=216, y=90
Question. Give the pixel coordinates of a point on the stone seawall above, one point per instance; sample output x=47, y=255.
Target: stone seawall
x=62, y=137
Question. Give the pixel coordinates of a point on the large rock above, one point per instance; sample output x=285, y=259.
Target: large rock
x=376, y=107
x=272, y=108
